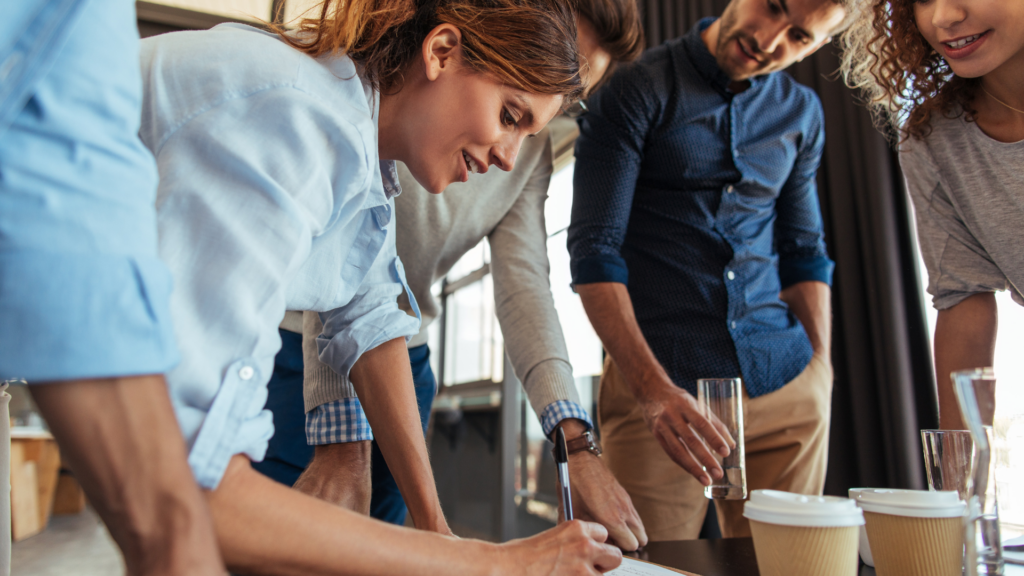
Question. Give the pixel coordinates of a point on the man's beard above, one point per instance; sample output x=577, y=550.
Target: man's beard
x=727, y=34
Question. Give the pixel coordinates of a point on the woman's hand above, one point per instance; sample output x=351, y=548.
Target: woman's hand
x=574, y=548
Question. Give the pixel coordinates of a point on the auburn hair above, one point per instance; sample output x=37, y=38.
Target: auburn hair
x=618, y=28
x=905, y=82
x=527, y=44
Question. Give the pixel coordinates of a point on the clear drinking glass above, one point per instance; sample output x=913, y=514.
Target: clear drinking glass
x=948, y=458
x=976, y=395
x=722, y=398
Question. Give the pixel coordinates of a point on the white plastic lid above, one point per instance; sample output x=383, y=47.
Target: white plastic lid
x=912, y=503
x=788, y=509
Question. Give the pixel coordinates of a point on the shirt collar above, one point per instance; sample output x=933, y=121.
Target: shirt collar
x=704, y=61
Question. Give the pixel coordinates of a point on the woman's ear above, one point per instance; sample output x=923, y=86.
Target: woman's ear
x=441, y=50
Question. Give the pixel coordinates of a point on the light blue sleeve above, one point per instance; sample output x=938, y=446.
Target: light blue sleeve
x=245, y=187
x=372, y=317
x=83, y=293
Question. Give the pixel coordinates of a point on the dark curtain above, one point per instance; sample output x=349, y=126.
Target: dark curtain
x=884, y=390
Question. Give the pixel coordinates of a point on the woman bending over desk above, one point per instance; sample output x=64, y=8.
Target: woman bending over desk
x=276, y=153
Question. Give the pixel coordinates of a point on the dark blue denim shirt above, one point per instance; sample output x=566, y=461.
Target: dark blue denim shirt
x=704, y=203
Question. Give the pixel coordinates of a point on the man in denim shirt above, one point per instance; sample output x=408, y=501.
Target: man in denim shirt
x=84, y=314
x=695, y=184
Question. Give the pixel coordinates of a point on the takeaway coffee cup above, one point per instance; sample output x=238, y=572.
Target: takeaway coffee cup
x=865, y=548
x=914, y=532
x=797, y=535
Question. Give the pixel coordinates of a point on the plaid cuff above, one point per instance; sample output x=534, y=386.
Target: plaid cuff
x=560, y=410
x=337, y=422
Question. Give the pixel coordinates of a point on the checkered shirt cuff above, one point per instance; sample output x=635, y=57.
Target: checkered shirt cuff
x=560, y=410
x=337, y=422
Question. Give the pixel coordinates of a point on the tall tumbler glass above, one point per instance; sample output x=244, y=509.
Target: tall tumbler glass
x=948, y=458
x=976, y=395
x=722, y=399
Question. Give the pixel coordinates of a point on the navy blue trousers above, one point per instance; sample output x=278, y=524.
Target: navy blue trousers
x=288, y=454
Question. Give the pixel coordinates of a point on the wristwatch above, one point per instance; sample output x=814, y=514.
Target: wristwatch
x=586, y=441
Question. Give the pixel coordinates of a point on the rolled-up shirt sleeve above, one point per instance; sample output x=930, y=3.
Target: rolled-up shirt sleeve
x=609, y=152
x=83, y=293
x=372, y=317
x=799, y=232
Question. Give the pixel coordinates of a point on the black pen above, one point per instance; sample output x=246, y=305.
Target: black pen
x=562, y=459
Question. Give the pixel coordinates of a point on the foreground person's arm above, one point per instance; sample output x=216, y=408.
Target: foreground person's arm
x=672, y=413
x=266, y=528
x=121, y=439
x=382, y=378
x=965, y=338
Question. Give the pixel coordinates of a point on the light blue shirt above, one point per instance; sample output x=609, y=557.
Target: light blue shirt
x=271, y=198
x=82, y=291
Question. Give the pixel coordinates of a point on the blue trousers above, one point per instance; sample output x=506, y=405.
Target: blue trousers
x=288, y=454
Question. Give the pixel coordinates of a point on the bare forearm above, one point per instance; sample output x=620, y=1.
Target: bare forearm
x=121, y=439
x=383, y=380
x=811, y=303
x=610, y=310
x=266, y=528
x=965, y=337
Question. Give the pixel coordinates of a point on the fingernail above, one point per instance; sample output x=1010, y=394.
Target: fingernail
x=705, y=481
x=724, y=451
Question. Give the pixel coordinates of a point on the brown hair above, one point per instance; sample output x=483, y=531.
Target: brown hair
x=618, y=28
x=527, y=44
x=903, y=79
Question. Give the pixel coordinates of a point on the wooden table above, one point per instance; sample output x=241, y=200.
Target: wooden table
x=727, y=557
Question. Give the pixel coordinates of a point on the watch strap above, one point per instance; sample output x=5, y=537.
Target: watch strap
x=584, y=442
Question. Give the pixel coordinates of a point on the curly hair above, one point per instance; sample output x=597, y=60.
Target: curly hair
x=527, y=44
x=903, y=79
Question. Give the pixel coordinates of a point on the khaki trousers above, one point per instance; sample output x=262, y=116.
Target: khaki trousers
x=786, y=441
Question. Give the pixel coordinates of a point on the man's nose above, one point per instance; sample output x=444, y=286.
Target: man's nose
x=768, y=39
x=947, y=13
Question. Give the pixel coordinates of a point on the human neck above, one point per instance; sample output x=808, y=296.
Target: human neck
x=389, y=127
x=1007, y=81
x=1002, y=91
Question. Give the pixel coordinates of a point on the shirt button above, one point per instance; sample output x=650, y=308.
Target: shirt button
x=729, y=189
x=734, y=325
x=246, y=373
x=731, y=275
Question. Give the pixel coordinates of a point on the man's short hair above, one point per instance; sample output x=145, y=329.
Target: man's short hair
x=618, y=27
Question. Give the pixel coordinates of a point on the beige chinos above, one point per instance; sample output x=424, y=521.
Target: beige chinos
x=786, y=441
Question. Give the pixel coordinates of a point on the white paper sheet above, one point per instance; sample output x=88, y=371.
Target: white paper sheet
x=631, y=567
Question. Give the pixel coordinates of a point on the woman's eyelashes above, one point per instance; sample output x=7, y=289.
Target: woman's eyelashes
x=508, y=119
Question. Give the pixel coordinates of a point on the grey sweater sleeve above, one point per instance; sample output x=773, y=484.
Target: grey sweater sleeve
x=320, y=384
x=958, y=265
x=523, y=300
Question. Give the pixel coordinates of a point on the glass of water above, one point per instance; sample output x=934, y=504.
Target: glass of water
x=948, y=456
x=722, y=398
x=976, y=395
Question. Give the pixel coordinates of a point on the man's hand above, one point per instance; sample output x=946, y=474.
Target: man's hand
x=598, y=497
x=676, y=421
x=570, y=549
x=339, y=474
x=672, y=414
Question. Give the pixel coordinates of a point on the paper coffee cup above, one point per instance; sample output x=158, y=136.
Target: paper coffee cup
x=865, y=548
x=914, y=532
x=797, y=535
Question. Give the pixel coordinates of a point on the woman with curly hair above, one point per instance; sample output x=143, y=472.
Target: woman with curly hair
x=946, y=77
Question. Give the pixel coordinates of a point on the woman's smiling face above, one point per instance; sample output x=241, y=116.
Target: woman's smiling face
x=469, y=122
x=974, y=36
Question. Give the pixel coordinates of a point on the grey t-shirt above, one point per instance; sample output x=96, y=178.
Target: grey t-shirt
x=968, y=194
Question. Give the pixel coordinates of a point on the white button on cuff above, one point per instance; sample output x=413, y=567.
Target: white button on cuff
x=731, y=275
x=729, y=189
x=734, y=325
x=246, y=373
